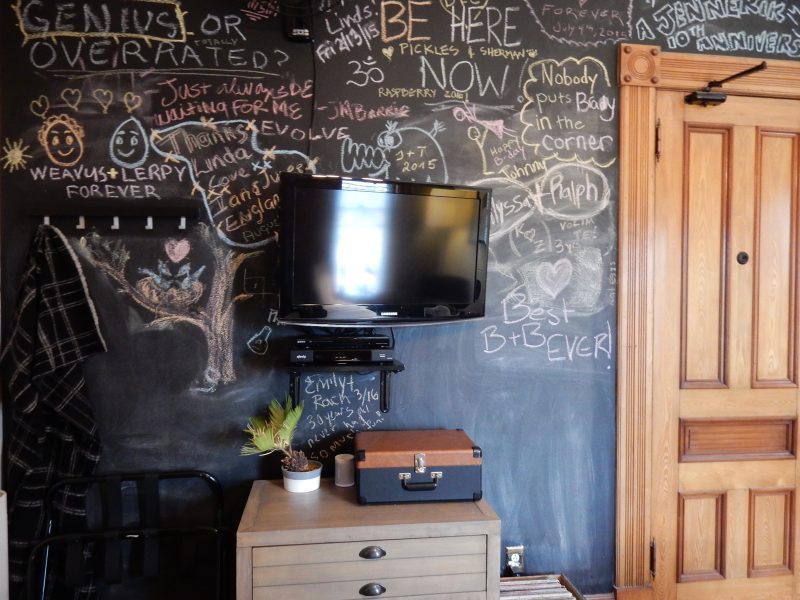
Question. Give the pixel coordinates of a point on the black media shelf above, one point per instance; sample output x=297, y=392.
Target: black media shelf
x=385, y=369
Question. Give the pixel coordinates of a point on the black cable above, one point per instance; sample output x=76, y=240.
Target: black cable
x=313, y=89
x=285, y=8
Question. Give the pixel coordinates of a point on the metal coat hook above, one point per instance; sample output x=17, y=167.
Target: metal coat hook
x=114, y=222
x=149, y=223
x=81, y=223
x=46, y=220
x=182, y=223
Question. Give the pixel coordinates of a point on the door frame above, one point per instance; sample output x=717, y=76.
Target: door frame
x=642, y=71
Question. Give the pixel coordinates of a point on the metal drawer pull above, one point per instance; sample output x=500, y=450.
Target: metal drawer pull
x=427, y=486
x=372, y=589
x=372, y=552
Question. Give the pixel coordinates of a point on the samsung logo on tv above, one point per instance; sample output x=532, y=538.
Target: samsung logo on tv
x=389, y=314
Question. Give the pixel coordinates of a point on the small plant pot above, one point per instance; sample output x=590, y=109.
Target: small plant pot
x=302, y=481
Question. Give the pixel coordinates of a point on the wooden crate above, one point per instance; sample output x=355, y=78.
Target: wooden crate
x=538, y=587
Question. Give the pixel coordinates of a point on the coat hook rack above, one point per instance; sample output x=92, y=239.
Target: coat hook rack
x=99, y=208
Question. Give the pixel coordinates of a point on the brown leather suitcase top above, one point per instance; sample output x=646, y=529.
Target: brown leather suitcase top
x=441, y=447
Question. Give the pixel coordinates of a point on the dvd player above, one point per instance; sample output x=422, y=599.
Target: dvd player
x=340, y=356
x=362, y=342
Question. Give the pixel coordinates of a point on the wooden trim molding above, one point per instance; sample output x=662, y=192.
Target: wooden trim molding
x=642, y=71
x=705, y=440
x=648, y=66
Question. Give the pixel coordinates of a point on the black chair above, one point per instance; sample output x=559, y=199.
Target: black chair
x=140, y=528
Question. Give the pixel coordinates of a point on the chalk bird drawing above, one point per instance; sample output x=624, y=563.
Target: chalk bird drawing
x=178, y=296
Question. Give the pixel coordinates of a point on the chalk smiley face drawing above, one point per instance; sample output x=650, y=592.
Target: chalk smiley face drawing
x=129, y=145
x=61, y=136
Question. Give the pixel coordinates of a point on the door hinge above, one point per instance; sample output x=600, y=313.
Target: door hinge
x=653, y=558
x=658, y=140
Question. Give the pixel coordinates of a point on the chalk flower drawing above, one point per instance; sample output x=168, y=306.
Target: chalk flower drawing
x=14, y=155
x=175, y=298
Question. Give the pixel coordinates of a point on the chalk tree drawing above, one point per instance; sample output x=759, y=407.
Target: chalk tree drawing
x=175, y=298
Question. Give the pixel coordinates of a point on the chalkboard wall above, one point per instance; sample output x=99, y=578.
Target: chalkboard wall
x=139, y=104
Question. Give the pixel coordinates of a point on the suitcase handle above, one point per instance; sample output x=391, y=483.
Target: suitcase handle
x=426, y=486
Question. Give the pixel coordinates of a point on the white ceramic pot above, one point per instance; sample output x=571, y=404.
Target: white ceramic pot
x=302, y=481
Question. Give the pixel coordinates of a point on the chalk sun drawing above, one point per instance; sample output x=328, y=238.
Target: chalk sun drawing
x=14, y=155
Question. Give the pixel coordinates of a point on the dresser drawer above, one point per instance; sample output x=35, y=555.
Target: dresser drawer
x=323, y=545
x=351, y=551
x=437, y=587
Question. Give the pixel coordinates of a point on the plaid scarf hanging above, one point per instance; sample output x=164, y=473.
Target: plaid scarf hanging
x=52, y=430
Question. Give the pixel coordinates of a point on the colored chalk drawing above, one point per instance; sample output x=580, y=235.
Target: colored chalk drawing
x=237, y=181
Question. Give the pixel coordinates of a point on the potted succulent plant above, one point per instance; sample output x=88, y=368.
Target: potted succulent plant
x=275, y=434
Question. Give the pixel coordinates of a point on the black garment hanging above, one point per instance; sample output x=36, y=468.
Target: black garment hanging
x=52, y=430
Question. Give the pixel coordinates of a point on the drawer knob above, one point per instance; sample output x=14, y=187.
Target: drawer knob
x=372, y=552
x=372, y=589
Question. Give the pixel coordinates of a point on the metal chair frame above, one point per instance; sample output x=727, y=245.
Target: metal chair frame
x=125, y=533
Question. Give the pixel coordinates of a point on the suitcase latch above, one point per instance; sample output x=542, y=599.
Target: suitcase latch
x=419, y=462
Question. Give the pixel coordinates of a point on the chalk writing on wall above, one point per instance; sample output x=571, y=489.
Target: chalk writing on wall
x=141, y=102
x=723, y=27
x=583, y=23
x=336, y=406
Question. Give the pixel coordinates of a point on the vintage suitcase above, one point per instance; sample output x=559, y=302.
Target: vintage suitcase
x=420, y=465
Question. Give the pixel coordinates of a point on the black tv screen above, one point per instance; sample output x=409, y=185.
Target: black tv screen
x=361, y=252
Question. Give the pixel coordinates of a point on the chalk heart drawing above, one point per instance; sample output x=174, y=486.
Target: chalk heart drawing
x=72, y=97
x=132, y=101
x=104, y=98
x=177, y=250
x=554, y=277
x=388, y=52
x=40, y=106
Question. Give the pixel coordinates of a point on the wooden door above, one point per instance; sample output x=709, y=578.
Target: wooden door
x=724, y=505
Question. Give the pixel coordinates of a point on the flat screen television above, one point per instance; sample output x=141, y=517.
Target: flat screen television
x=375, y=253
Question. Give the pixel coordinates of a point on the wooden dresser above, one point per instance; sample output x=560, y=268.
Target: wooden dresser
x=323, y=545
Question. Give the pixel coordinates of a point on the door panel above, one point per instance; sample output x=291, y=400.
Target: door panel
x=725, y=335
x=775, y=304
x=705, y=228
